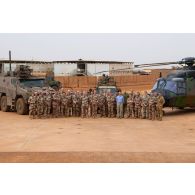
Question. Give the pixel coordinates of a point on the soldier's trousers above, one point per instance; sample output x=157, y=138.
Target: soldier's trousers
x=69, y=111
x=84, y=111
x=55, y=110
x=63, y=110
x=46, y=110
x=74, y=109
x=152, y=112
x=89, y=110
x=137, y=111
x=32, y=111
x=129, y=111
x=159, y=112
x=94, y=110
x=110, y=110
x=102, y=110
x=145, y=112
x=40, y=111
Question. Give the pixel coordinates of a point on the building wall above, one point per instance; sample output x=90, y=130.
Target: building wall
x=126, y=83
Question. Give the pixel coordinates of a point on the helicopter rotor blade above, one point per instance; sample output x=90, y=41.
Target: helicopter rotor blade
x=155, y=64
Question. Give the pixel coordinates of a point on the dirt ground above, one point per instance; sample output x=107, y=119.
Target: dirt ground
x=98, y=140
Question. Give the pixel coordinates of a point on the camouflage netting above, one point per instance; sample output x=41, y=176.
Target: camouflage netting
x=23, y=71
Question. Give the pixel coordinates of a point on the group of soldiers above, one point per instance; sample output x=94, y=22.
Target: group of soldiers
x=49, y=103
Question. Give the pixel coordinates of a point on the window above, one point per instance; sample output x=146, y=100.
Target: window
x=171, y=86
x=181, y=87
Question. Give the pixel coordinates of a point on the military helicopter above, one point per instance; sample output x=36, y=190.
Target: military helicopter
x=178, y=87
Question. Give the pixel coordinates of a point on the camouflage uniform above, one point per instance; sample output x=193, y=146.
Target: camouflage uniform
x=152, y=107
x=84, y=106
x=64, y=104
x=138, y=102
x=145, y=106
x=102, y=105
x=69, y=104
x=90, y=105
x=110, y=103
x=94, y=103
x=32, y=106
x=76, y=104
x=159, y=107
x=130, y=106
x=55, y=104
x=40, y=105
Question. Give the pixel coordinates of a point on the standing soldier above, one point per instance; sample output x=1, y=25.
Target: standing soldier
x=78, y=105
x=152, y=106
x=69, y=103
x=64, y=104
x=55, y=105
x=44, y=104
x=138, y=102
x=102, y=105
x=75, y=102
x=159, y=106
x=94, y=104
x=32, y=105
x=84, y=105
x=130, y=106
x=40, y=105
x=110, y=102
x=89, y=94
x=145, y=105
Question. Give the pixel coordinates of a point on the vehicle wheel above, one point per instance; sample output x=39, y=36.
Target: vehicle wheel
x=4, y=106
x=21, y=106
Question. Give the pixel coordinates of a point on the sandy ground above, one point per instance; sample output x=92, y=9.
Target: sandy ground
x=98, y=140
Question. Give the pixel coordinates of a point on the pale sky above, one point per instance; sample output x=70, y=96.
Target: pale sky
x=139, y=48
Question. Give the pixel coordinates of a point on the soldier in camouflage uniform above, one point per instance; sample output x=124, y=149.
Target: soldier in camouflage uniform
x=89, y=94
x=84, y=105
x=75, y=104
x=94, y=104
x=32, y=105
x=40, y=104
x=69, y=103
x=102, y=105
x=64, y=104
x=152, y=106
x=159, y=107
x=145, y=105
x=138, y=102
x=110, y=103
x=78, y=105
x=55, y=100
x=130, y=106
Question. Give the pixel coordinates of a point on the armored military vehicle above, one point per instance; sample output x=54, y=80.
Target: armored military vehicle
x=16, y=87
x=107, y=85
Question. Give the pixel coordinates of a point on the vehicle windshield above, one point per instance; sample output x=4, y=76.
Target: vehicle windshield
x=107, y=90
x=32, y=82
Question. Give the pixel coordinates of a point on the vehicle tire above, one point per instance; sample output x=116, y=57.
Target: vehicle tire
x=4, y=106
x=21, y=106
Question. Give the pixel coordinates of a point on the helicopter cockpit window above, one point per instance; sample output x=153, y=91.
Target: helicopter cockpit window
x=161, y=84
x=171, y=86
x=181, y=87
